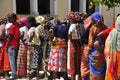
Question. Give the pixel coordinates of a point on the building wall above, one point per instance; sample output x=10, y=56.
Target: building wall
x=5, y=7
x=117, y=11
x=61, y=8
x=108, y=15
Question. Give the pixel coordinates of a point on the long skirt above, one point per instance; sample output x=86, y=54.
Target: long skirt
x=84, y=62
x=116, y=75
x=73, y=57
x=34, y=58
x=97, y=64
x=4, y=59
x=22, y=60
x=57, y=59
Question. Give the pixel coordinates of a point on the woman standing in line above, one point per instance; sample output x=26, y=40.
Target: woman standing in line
x=73, y=54
x=22, y=53
x=57, y=62
x=96, y=53
x=4, y=60
x=112, y=53
x=34, y=55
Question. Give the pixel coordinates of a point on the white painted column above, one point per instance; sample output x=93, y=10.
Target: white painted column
x=34, y=7
x=52, y=7
x=69, y=6
x=82, y=6
x=56, y=7
x=14, y=5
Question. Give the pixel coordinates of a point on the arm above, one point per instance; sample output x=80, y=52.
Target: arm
x=91, y=37
x=8, y=41
x=70, y=35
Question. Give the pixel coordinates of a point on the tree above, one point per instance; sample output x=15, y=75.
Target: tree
x=108, y=3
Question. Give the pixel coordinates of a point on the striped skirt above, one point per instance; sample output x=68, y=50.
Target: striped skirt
x=22, y=60
x=73, y=57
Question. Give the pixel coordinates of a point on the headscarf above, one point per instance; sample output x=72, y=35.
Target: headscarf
x=96, y=16
x=23, y=20
x=88, y=21
x=113, y=36
x=40, y=19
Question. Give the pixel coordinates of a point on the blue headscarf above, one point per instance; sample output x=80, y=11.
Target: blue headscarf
x=96, y=16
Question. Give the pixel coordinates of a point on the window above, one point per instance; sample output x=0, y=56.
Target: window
x=23, y=6
x=44, y=6
x=74, y=5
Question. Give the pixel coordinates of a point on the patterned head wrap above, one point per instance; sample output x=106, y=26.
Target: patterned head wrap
x=40, y=19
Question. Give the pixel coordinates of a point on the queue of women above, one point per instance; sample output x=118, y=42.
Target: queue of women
x=84, y=48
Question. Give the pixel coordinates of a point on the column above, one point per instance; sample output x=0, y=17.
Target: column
x=14, y=5
x=52, y=7
x=34, y=7
x=82, y=6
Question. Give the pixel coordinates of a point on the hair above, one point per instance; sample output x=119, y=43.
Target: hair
x=12, y=16
x=118, y=14
x=32, y=21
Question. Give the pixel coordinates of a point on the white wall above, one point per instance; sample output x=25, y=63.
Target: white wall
x=5, y=7
x=108, y=15
x=61, y=8
x=117, y=10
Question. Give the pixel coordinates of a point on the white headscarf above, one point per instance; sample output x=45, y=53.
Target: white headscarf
x=114, y=36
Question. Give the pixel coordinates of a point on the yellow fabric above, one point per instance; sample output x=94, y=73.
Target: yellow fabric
x=59, y=44
x=39, y=32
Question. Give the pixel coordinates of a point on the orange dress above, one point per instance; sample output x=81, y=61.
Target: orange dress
x=5, y=65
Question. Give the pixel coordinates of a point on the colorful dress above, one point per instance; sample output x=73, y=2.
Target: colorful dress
x=34, y=50
x=22, y=53
x=73, y=54
x=58, y=54
x=96, y=73
x=112, y=53
x=4, y=59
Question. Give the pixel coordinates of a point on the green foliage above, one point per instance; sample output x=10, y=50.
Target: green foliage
x=108, y=3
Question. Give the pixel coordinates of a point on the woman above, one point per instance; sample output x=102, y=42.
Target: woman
x=96, y=58
x=4, y=60
x=112, y=53
x=73, y=55
x=58, y=54
x=34, y=53
x=22, y=53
